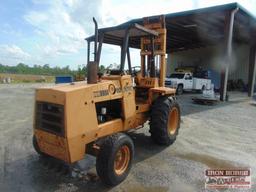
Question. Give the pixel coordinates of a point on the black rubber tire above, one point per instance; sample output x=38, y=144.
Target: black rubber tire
x=179, y=90
x=106, y=157
x=36, y=147
x=159, y=120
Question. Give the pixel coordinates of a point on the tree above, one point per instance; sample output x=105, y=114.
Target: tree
x=22, y=68
x=102, y=69
x=46, y=66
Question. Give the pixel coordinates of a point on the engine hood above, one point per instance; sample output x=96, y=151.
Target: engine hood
x=59, y=94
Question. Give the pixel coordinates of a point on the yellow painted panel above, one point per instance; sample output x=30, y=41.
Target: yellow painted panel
x=51, y=96
x=53, y=145
x=77, y=148
x=80, y=113
x=110, y=127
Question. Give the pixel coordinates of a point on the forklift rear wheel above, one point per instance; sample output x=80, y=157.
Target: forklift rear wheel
x=179, y=90
x=165, y=121
x=36, y=147
x=114, y=159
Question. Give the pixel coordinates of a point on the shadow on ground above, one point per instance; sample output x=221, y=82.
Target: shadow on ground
x=35, y=173
x=189, y=107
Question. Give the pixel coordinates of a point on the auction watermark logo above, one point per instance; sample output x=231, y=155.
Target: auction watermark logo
x=228, y=178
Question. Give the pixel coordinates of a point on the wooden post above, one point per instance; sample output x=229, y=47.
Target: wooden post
x=252, y=70
x=228, y=35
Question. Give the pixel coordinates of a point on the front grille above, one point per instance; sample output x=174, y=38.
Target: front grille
x=50, y=117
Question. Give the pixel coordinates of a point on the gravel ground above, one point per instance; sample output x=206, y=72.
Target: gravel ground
x=220, y=136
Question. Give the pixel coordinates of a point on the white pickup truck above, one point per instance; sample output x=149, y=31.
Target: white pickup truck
x=185, y=81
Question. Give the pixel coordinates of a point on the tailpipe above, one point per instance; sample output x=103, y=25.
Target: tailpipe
x=92, y=66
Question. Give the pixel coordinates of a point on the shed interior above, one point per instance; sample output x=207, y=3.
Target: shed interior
x=221, y=26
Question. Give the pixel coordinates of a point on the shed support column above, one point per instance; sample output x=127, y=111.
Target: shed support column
x=252, y=70
x=229, y=25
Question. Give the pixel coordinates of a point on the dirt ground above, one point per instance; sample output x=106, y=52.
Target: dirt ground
x=220, y=136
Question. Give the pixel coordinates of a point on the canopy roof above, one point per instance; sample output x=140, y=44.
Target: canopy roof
x=191, y=29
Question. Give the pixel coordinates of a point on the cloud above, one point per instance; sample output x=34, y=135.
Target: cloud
x=51, y=51
x=58, y=31
x=13, y=53
x=114, y=13
x=60, y=26
x=82, y=12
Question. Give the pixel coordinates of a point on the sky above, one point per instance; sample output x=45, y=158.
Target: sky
x=53, y=31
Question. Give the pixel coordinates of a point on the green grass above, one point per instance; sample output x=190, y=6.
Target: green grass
x=23, y=78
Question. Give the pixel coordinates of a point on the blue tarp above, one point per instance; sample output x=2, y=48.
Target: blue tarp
x=63, y=79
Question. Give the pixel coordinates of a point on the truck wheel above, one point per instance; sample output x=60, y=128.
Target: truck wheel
x=165, y=121
x=36, y=147
x=179, y=90
x=114, y=159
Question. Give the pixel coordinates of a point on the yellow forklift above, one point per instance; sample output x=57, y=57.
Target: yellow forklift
x=93, y=116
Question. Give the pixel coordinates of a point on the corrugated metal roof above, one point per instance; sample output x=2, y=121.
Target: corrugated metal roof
x=196, y=28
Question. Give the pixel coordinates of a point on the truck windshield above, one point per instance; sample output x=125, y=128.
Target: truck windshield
x=177, y=75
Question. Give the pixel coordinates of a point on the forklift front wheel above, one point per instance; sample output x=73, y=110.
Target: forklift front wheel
x=114, y=159
x=165, y=120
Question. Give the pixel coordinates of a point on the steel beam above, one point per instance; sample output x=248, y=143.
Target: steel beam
x=88, y=51
x=124, y=48
x=101, y=37
x=129, y=60
x=252, y=70
x=228, y=34
x=152, y=59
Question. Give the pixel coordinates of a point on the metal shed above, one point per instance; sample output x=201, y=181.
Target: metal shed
x=219, y=25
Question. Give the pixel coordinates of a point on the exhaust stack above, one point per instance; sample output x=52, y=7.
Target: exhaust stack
x=92, y=66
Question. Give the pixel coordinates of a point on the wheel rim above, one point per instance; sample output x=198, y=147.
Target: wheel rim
x=173, y=120
x=122, y=160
